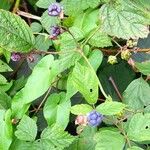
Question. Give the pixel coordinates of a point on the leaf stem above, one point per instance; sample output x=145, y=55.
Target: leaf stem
x=16, y=6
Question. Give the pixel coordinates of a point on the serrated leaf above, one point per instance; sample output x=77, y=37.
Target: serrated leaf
x=81, y=109
x=139, y=128
x=80, y=6
x=122, y=23
x=86, y=82
x=100, y=39
x=4, y=67
x=110, y=108
x=57, y=137
x=48, y=21
x=44, y=4
x=57, y=110
x=3, y=80
x=15, y=33
x=137, y=94
x=6, y=129
x=32, y=89
x=143, y=67
x=27, y=129
x=107, y=139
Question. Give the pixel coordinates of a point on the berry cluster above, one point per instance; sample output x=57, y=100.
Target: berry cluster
x=94, y=118
x=15, y=56
x=112, y=59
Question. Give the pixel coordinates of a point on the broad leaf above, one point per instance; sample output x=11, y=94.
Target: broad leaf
x=45, y=3
x=37, y=84
x=69, y=5
x=135, y=148
x=139, y=128
x=110, y=108
x=56, y=137
x=57, y=110
x=137, y=94
x=107, y=139
x=15, y=33
x=81, y=109
x=27, y=129
x=122, y=23
x=4, y=67
x=85, y=81
x=143, y=67
x=6, y=129
x=100, y=39
x=5, y=100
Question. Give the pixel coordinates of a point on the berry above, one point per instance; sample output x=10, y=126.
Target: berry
x=54, y=9
x=94, y=118
x=131, y=43
x=55, y=31
x=15, y=57
x=125, y=54
x=81, y=120
x=112, y=59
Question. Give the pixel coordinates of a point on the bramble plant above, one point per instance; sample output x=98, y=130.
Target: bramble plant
x=76, y=77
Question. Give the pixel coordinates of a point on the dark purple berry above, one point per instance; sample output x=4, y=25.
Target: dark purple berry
x=54, y=9
x=15, y=57
x=94, y=118
x=55, y=31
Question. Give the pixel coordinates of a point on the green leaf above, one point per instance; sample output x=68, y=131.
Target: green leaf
x=95, y=59
x=6, y=129
x=87, y=21
x=80, y=6
x=56, y=137
x=48, y=21
x=27, y=129
x=5, y=100
x=100, y=39
x=5, y=4
x=135, y=148
x=15, y=33
x=137, y=94
x=35, y=86
x=122, y=23
x=81, y=109
x=57, y=110
x=86, y=82
x=85, y=140
x=143, y=67
x=139, y=128
x=110, y=108
x=36, y=27
x=45, y=3
x=3, y=80
x=42, y=43
x=107, y=139
x=4, y=67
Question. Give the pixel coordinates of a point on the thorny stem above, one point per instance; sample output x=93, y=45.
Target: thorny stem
x=16, y=6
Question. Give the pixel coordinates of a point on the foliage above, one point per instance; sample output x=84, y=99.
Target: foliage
x=86, y=64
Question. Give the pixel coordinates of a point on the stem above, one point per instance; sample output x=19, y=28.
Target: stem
x=16, y=6
x=44, y=99
x=100, y=86
x=115, y=87
x=28, y=15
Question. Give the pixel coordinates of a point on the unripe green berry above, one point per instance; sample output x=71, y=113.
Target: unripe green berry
x=112, y=59
x=125, y=54
x=131, y=43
